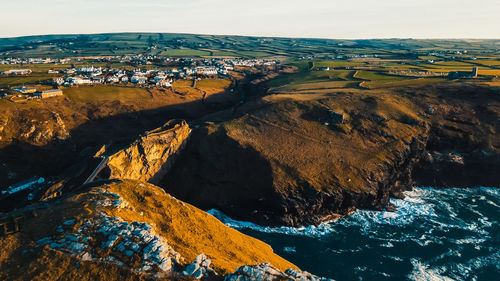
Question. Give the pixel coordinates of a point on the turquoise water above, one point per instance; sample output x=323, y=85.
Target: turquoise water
x=436, y=234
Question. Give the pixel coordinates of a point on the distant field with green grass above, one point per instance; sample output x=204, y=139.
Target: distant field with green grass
x=317, y=86
x=336, y=63
x=312, y=76
x=185, y=52
x=33, y=78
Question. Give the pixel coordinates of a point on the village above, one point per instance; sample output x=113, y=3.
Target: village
x=137, y=71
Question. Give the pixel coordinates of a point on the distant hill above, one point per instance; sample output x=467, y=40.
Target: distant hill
x=172, y=44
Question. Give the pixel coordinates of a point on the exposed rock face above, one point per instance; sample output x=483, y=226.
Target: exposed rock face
x=126, y=231
x=199, y=268
x=265, y=271
x=282, y=164
x=150, y=157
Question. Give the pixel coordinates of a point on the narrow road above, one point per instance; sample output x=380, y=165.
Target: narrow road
x=97, y=170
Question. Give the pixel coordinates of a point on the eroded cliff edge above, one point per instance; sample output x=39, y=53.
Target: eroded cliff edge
x=304, y=159
x=150, y=157
x=131, y=230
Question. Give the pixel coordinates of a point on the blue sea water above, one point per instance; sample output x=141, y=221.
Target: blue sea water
x=436, y=234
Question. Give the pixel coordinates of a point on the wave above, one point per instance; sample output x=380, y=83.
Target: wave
x=435, y=234
x=312, y=230
x=424, y=204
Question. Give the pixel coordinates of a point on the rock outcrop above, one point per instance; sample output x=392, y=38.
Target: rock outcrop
x=150, y=157
x=284, y=162
x=265, y=271
x=125, y=231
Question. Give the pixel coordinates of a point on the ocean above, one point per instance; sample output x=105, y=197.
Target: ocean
x=435, y=234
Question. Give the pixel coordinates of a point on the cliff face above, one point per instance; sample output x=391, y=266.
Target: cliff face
x=291, y=160
x=150, y=157
x=125, y=231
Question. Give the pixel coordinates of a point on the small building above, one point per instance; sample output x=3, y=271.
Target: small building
x=25, y=90
x=475, y=71
x=23, y=185
x=17, y=72
x=49, y=93
x=136, y=79
x=58, y=81
x=464, y=74
x=164, y=83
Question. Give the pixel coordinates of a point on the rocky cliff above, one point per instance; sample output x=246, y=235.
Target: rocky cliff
x=130, y=230
x=290, y=159
x=150, y=157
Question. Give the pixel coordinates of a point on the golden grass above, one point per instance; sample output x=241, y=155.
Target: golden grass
x=213, y=83
x=183, y=83
x=312, y=150
x=105, y=93
x=191, y=231
x=490, y=72
x=187, y=229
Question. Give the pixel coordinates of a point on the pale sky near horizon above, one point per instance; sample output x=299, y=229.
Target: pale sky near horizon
x=287, y=18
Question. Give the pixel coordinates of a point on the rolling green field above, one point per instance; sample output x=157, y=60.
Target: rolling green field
x=409, y=82
x=312, y=76
x=34, y=78
x=105, y=93
x=112, y=44
x=317, y=86
x=371, y=63
x=336, y=63
x=184, y=52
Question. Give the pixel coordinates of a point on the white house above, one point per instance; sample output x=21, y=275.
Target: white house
x=23, y=185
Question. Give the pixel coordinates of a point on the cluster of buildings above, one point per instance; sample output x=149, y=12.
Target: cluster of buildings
x=183, y=68
x=39, y=94
x=34, y=60
x=16, y=72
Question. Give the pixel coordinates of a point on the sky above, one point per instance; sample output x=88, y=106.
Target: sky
x=343, y=19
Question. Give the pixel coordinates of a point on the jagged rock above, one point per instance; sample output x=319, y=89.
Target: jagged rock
x=62, y=132
x=150, y=157
x=430, y=110
x=265, y=271
x=199, y=268
x=126, y=231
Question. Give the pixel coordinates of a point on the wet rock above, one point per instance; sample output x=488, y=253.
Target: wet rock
x=265, y=271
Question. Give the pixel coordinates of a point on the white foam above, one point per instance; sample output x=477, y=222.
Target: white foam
x=421, y=204
x=312, y=230
x=422, y=272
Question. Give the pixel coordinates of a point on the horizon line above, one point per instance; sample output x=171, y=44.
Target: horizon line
x=255, y=36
